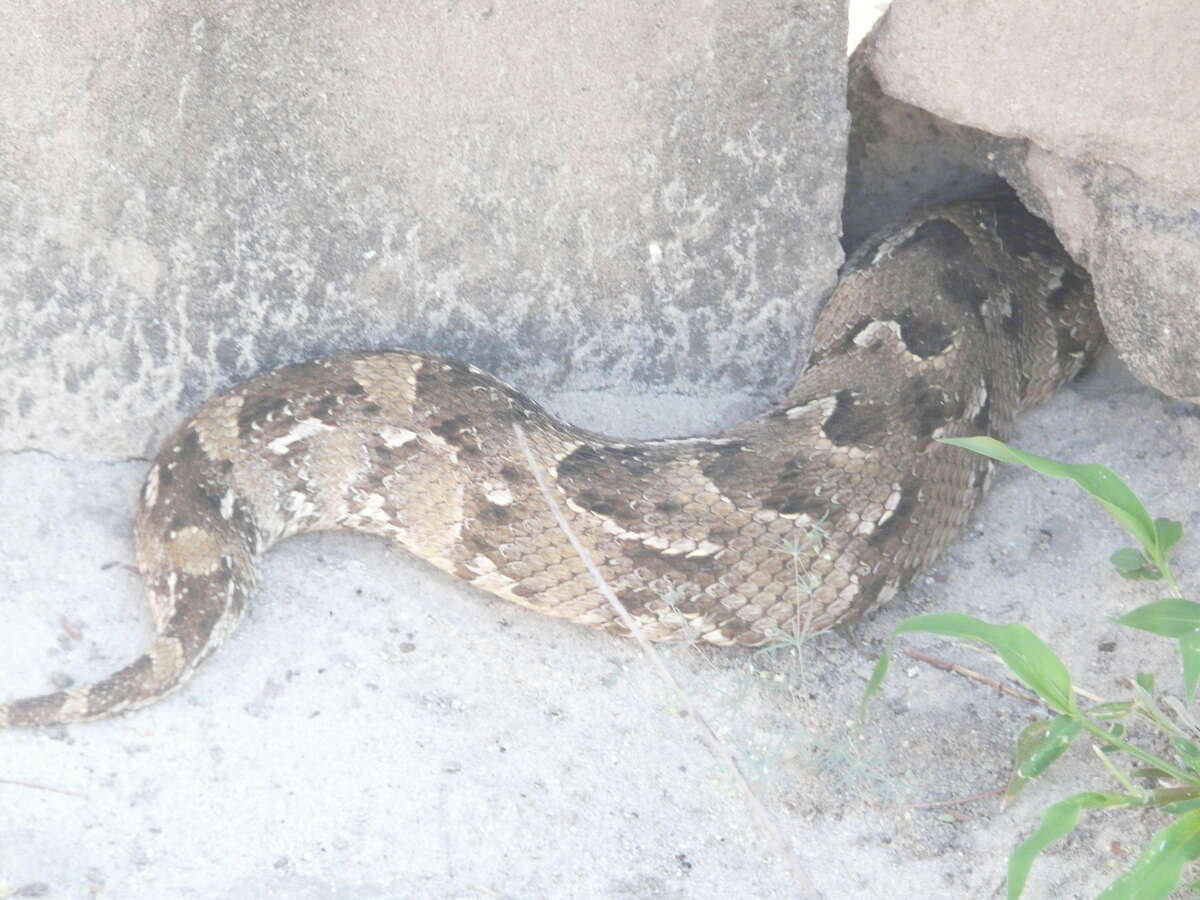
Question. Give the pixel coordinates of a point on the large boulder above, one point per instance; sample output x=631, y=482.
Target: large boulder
x=1092, y=115
x=576, y=201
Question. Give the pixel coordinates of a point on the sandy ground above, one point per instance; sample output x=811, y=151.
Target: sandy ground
x=376, y=730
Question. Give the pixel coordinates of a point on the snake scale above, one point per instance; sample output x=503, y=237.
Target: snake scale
x=815, y=511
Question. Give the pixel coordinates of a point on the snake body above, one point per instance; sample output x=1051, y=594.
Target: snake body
x=812, y=513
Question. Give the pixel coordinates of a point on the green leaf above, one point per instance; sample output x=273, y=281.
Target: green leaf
x=1128, y=558
x=1173, y=618
x=877, y=675
x=1174, y=800
x=1131, y=563
x=1022, y=650
x=1168, y=532
x=1170, y=618
x=1058, y=821
x=1182, y=806
x=1145, y=680
x=1062, y=730
x=1115, y=709
x=1148, y=572
x=1148, y=772
x=1097, y=480
x=1028, y=741
x=1189, y=652
x=1156, y=873
x=1188, y=752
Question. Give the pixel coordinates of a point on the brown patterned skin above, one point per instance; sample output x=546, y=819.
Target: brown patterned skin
x=810, y=514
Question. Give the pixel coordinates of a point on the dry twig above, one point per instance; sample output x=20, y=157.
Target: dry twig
x=42, y=787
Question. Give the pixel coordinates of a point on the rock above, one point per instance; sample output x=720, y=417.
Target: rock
x=634, y=198
x=1093, y=117
x=901, y=158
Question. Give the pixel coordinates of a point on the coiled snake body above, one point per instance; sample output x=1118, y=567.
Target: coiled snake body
x=945, y=325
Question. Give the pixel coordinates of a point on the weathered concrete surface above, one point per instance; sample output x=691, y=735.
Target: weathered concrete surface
x=630, y=195
x=1091, y=113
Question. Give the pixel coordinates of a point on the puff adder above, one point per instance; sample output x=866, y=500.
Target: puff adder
x=945, y=325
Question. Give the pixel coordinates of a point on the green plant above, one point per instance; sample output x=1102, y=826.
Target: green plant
x=1175, y=781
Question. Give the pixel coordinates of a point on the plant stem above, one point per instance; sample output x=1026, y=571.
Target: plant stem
x=1171, y=585
x=1148, y=758
x=1115, y=772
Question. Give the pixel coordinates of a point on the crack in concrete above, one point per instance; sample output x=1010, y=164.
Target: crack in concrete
x=38, y=451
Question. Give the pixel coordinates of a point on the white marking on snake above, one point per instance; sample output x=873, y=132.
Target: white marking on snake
x=150, y=492
x=872, y=333
x=826, y=405
x=305, y=428
x=372, y=508
x=500, y=497
x=397, y=437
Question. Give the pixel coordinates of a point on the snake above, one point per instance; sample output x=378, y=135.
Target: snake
x=808, y=515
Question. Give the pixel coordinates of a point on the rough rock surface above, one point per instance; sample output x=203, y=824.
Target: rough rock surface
x=614, y=197
x=1095, y=127
x=901, y=158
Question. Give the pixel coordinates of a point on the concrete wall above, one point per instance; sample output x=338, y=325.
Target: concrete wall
x=629, y=195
